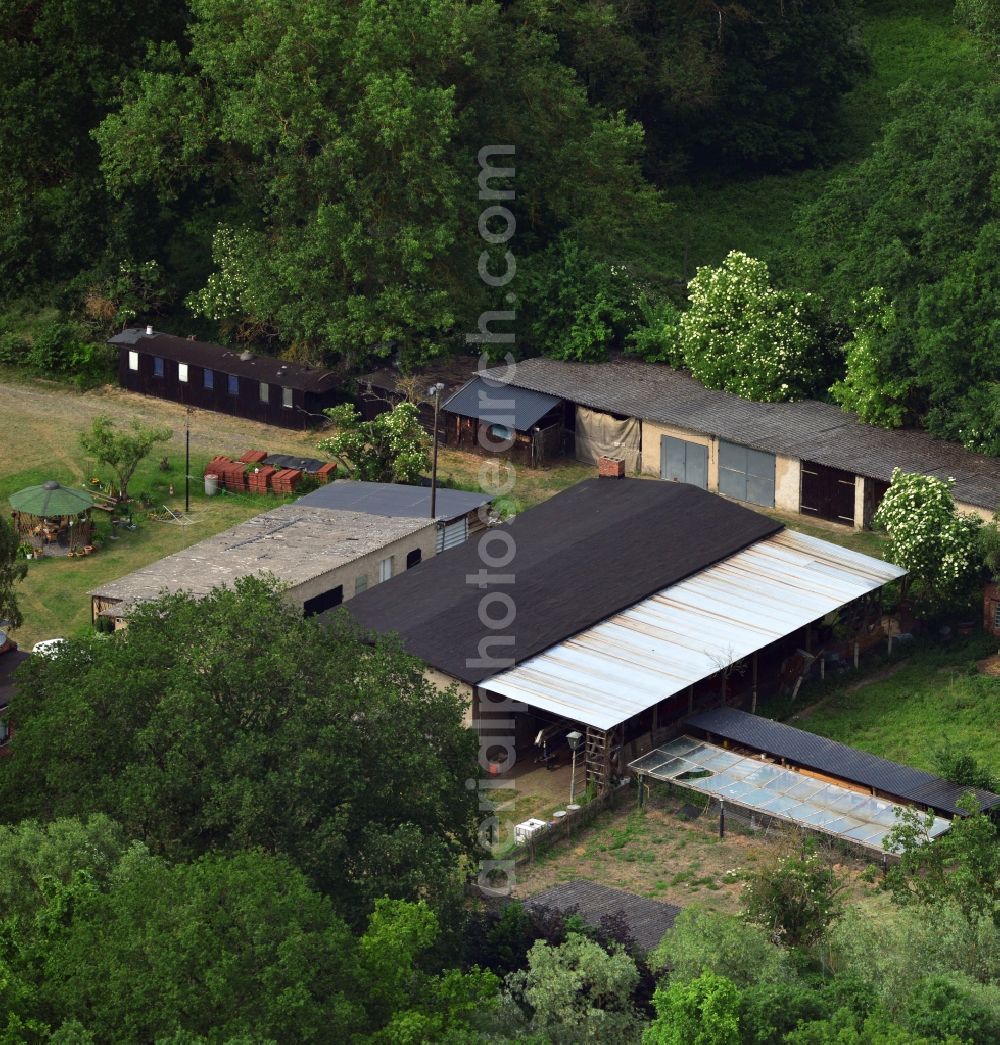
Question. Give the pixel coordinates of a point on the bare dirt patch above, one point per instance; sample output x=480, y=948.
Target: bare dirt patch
x=990, y=666
x=660, y=854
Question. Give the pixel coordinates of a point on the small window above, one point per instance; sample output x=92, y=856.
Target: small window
x=501, y=433
x=234, y=385
x=996, y=615
x=286, y=398
x=413, y=558
x=133, y=360
x=265, y=393
x=157, y=366
x=182, y=372
x=209, y=378
x=321, y=603
x=385, y=569
x=361, y=584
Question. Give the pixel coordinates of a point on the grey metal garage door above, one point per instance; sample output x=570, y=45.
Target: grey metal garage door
x=747, y=475
x=682, y=461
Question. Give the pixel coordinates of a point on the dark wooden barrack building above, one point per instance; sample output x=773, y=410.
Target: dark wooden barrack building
x=212, y=377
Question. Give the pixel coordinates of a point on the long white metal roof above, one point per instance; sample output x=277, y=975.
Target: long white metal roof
x=694, y=629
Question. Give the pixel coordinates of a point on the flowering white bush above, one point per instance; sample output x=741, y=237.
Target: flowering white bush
x=926, y=536
x=391, y=448
x=227, y=292
x=745, y=336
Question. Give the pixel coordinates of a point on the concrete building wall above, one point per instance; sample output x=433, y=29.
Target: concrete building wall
x=368, y=566
x=859, y=501
x=650, y=460
x=984, y=513
x=787, y=483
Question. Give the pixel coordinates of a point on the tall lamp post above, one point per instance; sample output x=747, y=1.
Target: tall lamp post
x=573, y=739
x=187, y=459
x=435, y=390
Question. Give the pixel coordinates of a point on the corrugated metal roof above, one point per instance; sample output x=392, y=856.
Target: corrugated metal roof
x=807, y=430
x=508, y=405
x=775, y=791
x=829, y=756
x=394, y=500
x=693, y=629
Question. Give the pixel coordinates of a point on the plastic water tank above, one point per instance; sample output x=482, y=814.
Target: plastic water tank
x=211, y=485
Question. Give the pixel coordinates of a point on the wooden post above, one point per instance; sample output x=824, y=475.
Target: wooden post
x=857, y=653
x=753, y=698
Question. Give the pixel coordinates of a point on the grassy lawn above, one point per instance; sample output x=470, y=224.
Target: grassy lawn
x=908, y=711
x=53, y=596
x=907, y=42
x=42, y=424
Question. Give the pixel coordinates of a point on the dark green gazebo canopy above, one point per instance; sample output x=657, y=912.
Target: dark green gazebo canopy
x=51, y=499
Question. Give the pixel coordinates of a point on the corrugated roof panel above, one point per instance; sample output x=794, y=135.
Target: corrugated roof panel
x=691, y=630
x=781, y=792
x=828, y=756
x=508, y=405
x=808, y=430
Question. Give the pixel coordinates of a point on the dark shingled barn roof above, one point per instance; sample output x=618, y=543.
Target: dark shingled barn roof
x=227, y=361
x=809, y=431
x=646, y=920
x=828, y=756
x=580, y=557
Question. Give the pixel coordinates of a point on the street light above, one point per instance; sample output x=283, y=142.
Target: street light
x=435, y=390
x=187, y=459
x=573, y=739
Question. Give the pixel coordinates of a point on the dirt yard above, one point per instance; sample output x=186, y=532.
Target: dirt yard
x=661, y=854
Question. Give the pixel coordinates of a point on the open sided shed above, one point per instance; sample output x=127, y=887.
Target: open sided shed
x=488, y=417
x=630, y=597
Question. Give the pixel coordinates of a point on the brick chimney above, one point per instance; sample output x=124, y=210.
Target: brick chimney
x=608, y=468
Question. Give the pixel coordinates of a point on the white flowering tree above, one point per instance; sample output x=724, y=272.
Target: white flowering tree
x=748, y=337
x=391, y=448
x=928, y=537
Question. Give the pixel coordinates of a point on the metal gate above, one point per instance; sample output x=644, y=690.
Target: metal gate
x=682, y=461
x=746, y=474
x=452, y=534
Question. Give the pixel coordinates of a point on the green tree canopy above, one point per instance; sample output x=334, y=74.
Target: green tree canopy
x=122, y=450
x=334, y=151
x=390, y=448
x=961, y=867
x=106, y=942
x=230, y=723
x=919, y=220
x=578, y=992
x=12, y=572
x=61, y=63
